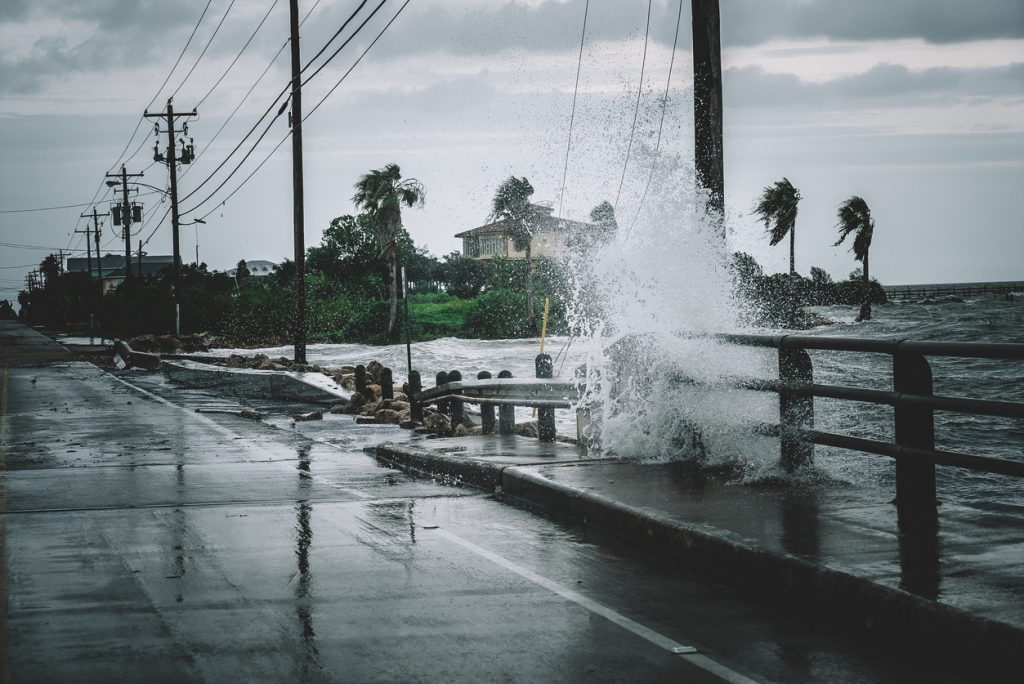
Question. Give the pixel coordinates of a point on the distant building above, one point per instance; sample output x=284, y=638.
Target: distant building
x=110, y=268
x=259, y=268
x=550, y=237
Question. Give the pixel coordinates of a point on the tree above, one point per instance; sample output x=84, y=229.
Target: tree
x=381, y=194
x=777, y=208
x=512, y=204
x=855, y=218
x=241, y=270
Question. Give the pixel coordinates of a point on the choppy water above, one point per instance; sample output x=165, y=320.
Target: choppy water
x=726, y=411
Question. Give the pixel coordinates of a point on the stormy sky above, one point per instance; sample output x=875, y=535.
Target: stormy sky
x=916, y=105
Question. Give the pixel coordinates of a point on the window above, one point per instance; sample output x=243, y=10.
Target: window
x=491, y=245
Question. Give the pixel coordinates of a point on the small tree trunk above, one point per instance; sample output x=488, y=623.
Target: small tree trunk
x=792, y=250
x=865, y=302
x=531, y=319
x=392, y=293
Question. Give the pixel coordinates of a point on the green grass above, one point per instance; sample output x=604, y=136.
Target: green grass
x=438, y=315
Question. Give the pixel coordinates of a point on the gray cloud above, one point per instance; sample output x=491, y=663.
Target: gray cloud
x=883, y=84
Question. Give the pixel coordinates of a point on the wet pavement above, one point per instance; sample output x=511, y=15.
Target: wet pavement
x=145, y=540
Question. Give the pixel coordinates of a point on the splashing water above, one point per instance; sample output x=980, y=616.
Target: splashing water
x=646, y=304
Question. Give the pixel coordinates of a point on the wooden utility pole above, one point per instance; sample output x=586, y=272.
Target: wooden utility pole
x=171, y=158
x=88, y=246
x=299, y=238
x=127, y=217
x=707, y=106
x=88, y=264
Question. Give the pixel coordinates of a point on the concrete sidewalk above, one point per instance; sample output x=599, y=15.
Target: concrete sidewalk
x=833, y=549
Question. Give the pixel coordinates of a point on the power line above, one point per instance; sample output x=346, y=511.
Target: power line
x=62, y=206
x=354, y=64
x=636, y=109
x=249, y=92
x=205, y=48
x=264, y=116
x=239, y=55
x=332, y=39
x=572, y=116
x=661, y=124
x=310, y=113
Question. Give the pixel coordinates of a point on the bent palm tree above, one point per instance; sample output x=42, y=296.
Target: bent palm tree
x=381, y=194
x=777, y=208
x=512, y=203
x=855, y=218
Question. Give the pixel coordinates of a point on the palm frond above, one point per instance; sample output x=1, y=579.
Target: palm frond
x=777, y=208
x=855, y=218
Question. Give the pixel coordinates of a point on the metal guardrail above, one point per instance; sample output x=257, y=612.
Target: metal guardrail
x=907, y=292
x=912, y=399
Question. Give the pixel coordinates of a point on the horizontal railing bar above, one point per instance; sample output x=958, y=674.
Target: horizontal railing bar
x=983, y=407
x=980, y=350
x=526, y=403
x=985, y=464
x=503, y=386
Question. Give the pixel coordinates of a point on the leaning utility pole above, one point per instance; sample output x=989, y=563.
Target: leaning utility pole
x=171, y=158
x=88, y=241
x=299, y=238
x=89, y=297
x=707, y=106
x=127, y=218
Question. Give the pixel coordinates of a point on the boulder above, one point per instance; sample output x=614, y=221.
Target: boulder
x=366, y=420
x=346, y=380
x=438, y=423
x=371, y=407
x=373, y=370
x=375, y=389
x=267, y=364
x=388, y=416
x=401, y=396
x=408, y=425
x=396, y=405
x=251, y=414
x=356, y=402
x=460, y=430
x=312, y=415
x=527, y=429
x=341, y=407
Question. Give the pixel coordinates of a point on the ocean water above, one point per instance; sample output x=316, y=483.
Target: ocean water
x=646, y=432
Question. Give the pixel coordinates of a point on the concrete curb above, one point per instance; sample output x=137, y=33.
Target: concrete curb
x=854, y=601
x=257, y=384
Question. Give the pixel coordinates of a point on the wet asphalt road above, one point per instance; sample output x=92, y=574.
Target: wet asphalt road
x=145, y=541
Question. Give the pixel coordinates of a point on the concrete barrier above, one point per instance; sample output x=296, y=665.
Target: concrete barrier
x=257, y=384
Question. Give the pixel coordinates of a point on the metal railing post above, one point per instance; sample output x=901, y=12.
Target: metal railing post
x=387, y=384
x=915, y=427
x=415, y=387
x=486, y=410
x=455, y=406
x=506, y=414
x=545, y=416
x=796, y=412
x=442, y=379
x=361, y=379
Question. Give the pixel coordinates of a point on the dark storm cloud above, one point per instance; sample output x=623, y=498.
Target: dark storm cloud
x=883, y=84
x=140, y=32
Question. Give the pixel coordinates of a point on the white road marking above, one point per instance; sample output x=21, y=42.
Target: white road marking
x=243, y=441
x=687, y=652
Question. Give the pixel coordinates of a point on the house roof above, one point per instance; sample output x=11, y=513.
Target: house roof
x=542, y=224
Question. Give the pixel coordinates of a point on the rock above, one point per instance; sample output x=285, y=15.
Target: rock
x=405, y=415
x=372, y=407
x=408, y=425
x=357, y=401
x=375, y=389
x=401, y=396
x=346, y=380
x=387, y=416
x=373, y=370
x=312, y=415
x=473, y=431
x=267, y=364
x=366, y=420
x=460, y=430
x=236, y=361
x=251, y=414
x=396, y=405
x=438, y=423
x=341, y=407
x=527, y=429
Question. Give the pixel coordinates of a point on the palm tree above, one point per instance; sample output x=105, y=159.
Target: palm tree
x=381, y=194
x=855, y=217
x=512, y=203
x=777, y=208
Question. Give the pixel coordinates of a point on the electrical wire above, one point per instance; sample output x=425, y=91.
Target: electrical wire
x=239, y=55
x=343, y=45
x=247, y=94
x=636, y=108
x=661, y=124
x=62, y=206
x=253, y=129
x=337, y=33
x=205, y=48
x=572, y=116
x=310, y=113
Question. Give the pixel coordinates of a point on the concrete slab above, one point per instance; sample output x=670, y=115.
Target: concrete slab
x=246, y=382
